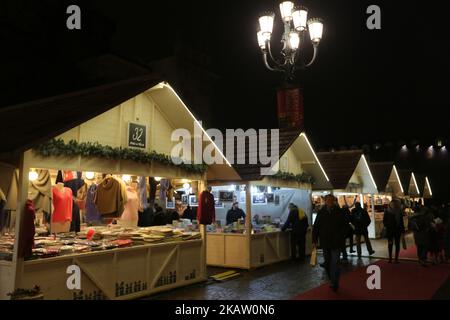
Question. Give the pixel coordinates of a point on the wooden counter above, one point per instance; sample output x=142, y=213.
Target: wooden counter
x=139, y=270
x=231, y=250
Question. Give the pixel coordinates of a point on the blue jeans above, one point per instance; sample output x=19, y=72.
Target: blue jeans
x=332, y=265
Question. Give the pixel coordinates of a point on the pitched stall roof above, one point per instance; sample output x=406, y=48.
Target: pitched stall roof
x=252, y=172
x=381, y=172
x=340, y=166
x=47, y=118
x=405, y=179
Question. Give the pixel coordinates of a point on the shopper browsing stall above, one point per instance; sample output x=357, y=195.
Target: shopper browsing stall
x=298, y=222
x=235, y=214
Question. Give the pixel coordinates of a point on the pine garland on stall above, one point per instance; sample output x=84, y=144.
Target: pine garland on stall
x=301, y=178
x=57, y=147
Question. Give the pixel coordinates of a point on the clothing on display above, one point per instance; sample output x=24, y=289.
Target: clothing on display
x=110, y=197
x=143, y=193
x=92, y=214
x=63, y=204
x=206, y=212
x=76, y=219
x=74, y=185
x=80, y=199
x=28, y=231
x=153, y=187
x=59, y=177
x=163, y=187
x=68, y=175
x=2, y=210
x=40, y=192
x=131, y=208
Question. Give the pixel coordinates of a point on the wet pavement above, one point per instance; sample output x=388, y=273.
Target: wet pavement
x=280, y=281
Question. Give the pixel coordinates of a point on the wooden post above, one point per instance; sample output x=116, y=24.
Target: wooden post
x=248, y=220
x=202, y=186
x=22, y=196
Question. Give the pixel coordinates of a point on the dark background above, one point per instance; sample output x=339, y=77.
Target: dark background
x=375, y=89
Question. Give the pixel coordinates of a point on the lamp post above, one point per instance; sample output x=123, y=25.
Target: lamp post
x=296, y=27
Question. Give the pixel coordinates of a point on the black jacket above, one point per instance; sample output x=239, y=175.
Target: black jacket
x=392, y=225
x=235, y=215
x=330, y=228
x=361, y=220
x=299, y=227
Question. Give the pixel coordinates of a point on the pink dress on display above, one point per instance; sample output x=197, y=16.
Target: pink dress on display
x=130, y=215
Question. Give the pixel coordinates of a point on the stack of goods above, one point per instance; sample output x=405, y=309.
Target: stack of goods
x=6, y=248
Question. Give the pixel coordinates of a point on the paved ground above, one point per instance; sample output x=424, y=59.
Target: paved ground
x=281, y=281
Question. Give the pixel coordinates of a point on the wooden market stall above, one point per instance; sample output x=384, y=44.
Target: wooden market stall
x=351, y=181
x=266, y=197
x=141, y=123
x=389, y=187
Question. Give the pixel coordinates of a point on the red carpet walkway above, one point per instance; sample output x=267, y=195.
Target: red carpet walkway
x=404, y=281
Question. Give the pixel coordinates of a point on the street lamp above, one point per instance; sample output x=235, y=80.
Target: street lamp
x=296, y=25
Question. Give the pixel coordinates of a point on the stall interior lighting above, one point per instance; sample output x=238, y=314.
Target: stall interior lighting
x=428, y=184
x=90, y=175
x=158, y=179
x=398, y=178
x=33, y=175
x=126, y=178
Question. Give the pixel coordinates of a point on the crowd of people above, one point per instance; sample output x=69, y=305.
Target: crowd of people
x=334, y=225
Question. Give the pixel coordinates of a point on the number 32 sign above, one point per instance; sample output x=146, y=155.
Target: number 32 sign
x=137, y=135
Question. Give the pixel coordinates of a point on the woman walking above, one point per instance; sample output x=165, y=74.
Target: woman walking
x=395, y=228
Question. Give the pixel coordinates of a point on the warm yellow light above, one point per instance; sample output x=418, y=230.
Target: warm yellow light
x=186, y=186
x=158, y=179
x=126, y=178
x=429, y=187
x=398, y=178
x=90, y=175
x=415, y=183
x=33, y=176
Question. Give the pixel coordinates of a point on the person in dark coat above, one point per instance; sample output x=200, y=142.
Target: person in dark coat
x=235, y=213
x=159, y=218
x=297, y=221
x=420, y=223
x=349, y=232
x=395, y=228
x=361, y=221
x=329, y=231
x=189, y=213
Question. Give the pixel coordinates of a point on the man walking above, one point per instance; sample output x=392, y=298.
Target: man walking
x=329, y=230
x=361, y=221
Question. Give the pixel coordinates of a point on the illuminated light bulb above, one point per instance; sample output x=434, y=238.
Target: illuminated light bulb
x=158, y=179
x=33, y=176
x=186, y=186
x=90, y=175
x=126, y=177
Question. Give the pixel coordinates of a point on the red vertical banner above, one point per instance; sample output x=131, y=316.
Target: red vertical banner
x=290, y=108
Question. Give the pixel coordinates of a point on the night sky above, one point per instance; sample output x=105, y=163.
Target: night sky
x=365, y=87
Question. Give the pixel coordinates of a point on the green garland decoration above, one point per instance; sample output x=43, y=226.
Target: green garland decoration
x=301, y=178
x=57, y=147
